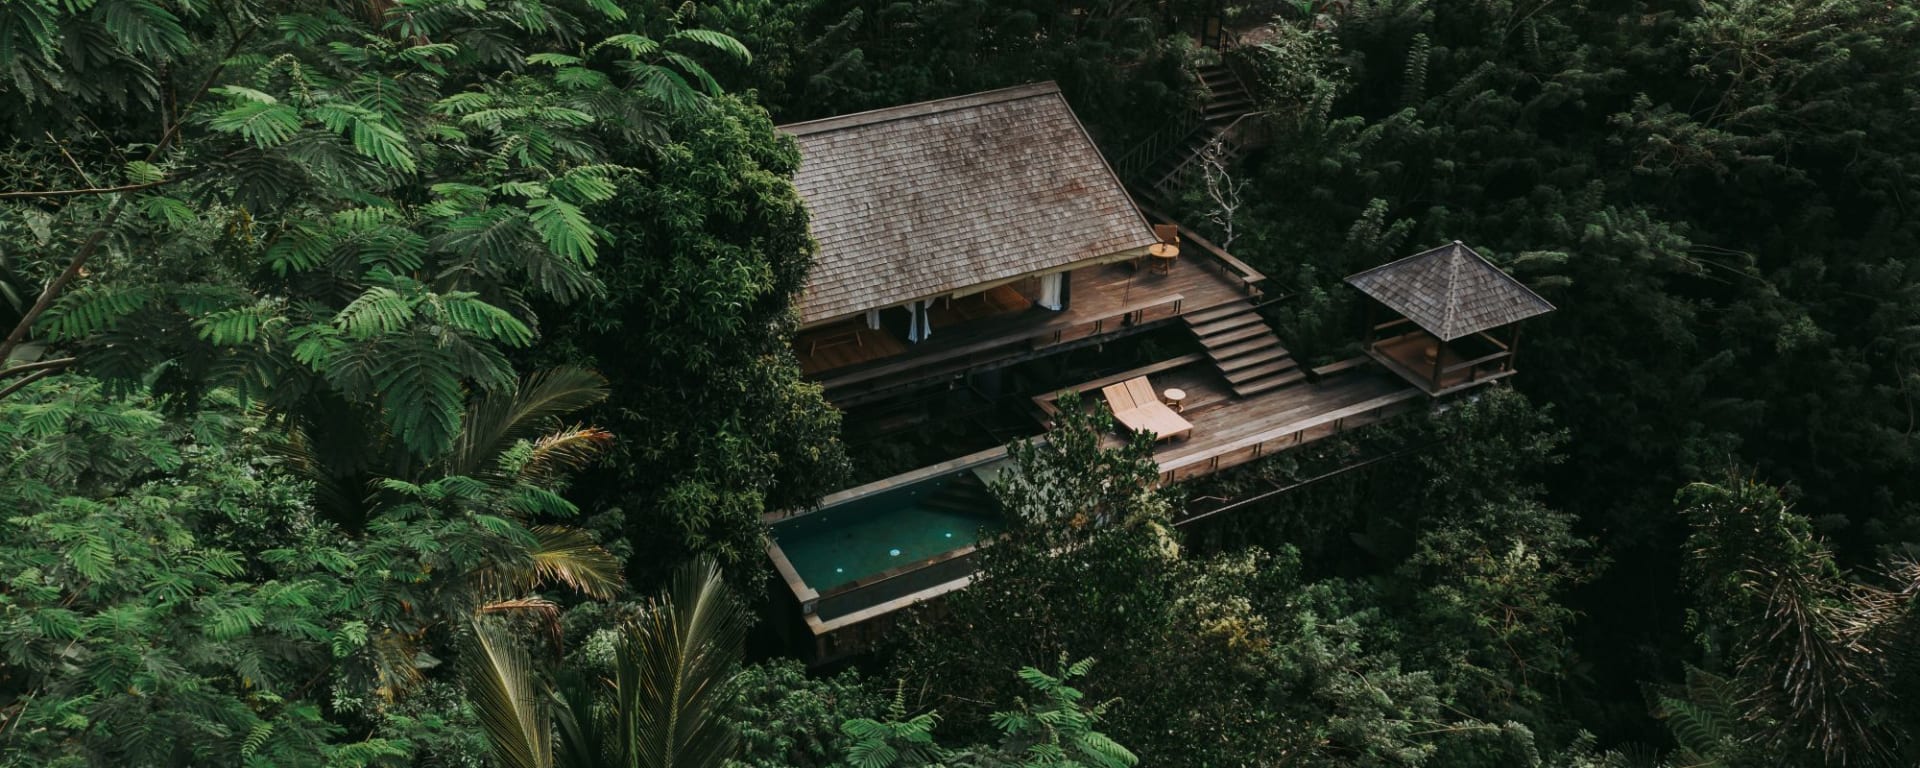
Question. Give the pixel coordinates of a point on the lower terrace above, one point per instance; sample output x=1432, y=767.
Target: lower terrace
x=842, y=619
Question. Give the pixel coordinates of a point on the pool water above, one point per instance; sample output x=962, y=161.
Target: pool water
x=865, y=536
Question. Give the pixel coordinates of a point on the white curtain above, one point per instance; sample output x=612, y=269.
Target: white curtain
x=920, y=326
x=873, y=319
x=1050, y=290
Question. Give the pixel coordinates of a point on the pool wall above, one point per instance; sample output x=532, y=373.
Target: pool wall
x=848, y=618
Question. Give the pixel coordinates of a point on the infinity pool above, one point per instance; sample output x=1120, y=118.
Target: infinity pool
x=864, y=536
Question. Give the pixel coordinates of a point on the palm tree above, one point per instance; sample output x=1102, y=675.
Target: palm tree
x=513, y=445
x=661, y=709
x=347, y=481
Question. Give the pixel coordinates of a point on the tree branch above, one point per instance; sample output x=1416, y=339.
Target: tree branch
x=87, y=191
x=36, y=376
x=8, y=373
x=79, y=261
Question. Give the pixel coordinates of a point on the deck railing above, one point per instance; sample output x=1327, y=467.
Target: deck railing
x=1135, y=162
x=1248, y=130
x=1160, y=308
x=1288, y=436
x=1227, y=264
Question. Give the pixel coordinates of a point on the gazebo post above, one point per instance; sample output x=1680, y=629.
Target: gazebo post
x=1369, y=321
x=1513, y=348
x=1439, y=357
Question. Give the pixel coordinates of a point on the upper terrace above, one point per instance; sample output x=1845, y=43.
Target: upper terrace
x=965, y=233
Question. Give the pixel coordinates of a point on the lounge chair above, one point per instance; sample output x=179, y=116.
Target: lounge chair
x=1137, y=408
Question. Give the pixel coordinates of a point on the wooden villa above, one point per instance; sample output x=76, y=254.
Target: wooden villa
x=975, y=232
x=967, y=234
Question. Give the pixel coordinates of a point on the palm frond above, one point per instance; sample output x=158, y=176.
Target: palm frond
x=560, y=452
x=394, y=666
x=583, y=726
x=520, y=413
x=510, y=708
x=672, y=672
x=718, y=41
x=541, y=610
x=570, y=556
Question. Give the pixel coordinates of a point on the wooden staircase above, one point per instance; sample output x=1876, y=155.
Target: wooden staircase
x=1228, y=101
x=1244, y=349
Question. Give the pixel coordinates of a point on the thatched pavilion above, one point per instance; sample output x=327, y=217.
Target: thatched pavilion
x=1458, y=316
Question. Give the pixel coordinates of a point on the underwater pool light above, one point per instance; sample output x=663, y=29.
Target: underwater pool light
x=893, y=553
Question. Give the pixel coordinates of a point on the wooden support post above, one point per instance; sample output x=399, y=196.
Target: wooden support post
x=1439, y=356
x=1513, y=348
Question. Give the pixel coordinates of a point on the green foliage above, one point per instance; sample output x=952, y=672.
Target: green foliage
x=1058, y=732
x=1070, y=481
x=663, y=706
x=789, y=720
x=1811, y=655
x=1114, y=60
x=1704, y=716
x=375, y=197
x=169, y=597
x=1238, y=649
x=710, y=251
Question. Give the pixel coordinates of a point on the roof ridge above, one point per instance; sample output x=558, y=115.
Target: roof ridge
x=919, y=109
x=1453, y=289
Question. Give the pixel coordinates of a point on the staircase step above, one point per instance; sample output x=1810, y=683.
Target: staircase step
x=1219, y=340
x=1247, y=375
x=1244, y=347
x=1205, y=328
x=1266, y=384
x=1212, y=117
x=1228, y=366
x=1217, y=313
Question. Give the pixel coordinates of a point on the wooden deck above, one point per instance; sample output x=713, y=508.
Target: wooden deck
x=1103, y=302
x=1230, y=431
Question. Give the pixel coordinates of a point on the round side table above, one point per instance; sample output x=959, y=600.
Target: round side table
x=1175, y=397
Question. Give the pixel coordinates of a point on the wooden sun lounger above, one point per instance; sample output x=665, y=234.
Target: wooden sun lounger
x=1136, y=407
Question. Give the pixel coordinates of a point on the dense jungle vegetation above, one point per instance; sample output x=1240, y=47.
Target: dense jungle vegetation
x=401, y=382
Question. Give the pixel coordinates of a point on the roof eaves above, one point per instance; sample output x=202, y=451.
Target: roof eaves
x=920, y=109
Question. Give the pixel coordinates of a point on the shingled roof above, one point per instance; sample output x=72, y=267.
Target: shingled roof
x=1450, y=291
x=925, y=199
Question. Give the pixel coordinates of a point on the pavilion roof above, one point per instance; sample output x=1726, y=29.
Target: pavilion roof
x=1451, y=291
x=926, y=199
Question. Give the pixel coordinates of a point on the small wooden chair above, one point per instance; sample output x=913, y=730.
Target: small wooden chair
x=1167, y=233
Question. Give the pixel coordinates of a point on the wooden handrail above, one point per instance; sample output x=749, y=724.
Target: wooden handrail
x=1138, y=159
x=1125, y=315
x=1245, y=272
x=1293, y=429
x=1476, y=362
x=1391, y=323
